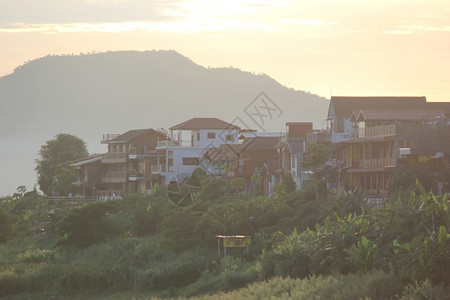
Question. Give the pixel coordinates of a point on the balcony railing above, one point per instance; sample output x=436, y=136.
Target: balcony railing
x=114, y=177
x=393, y=129
x=378, y=131
x=376, y=162
x=114, y=157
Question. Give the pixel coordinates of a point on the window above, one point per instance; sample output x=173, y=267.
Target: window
x=198, y=136
x=190, y=161
x=229, y=137
x=211, y=135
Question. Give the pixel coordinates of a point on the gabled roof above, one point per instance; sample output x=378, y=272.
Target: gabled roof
x=343, y=106
x=132, y=134
x=204, y=123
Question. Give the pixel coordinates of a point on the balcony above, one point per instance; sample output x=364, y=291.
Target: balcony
x=376, y=162
x=114, y=177
x=406, y=129
x=378, y=131
x=114, y=157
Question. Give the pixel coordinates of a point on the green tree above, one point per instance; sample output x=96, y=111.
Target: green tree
x=63, y=149
x=315, y=157
x=286, y=185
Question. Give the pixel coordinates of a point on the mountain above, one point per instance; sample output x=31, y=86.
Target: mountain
x=112, y=92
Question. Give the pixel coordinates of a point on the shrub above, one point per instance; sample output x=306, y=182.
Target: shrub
x=85, y=226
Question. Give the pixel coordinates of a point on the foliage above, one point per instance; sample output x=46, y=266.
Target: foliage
x=286, y=185
x=375, y=285
x=65, y=175
x=84, y=226
x=315, y=156
x=143, y=243
x=6, y=225
x=406, y=179
x=285, y=255
x=63, y=149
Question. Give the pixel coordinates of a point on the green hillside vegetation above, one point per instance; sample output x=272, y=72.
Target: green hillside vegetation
x=145, y=246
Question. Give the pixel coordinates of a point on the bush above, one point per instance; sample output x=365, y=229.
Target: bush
x=85, y=226
x=6, y=226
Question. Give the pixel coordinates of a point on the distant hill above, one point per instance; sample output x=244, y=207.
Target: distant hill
x=88, y=95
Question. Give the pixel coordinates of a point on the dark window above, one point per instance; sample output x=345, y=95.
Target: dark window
x=198, y=136
x=229, y=137
x=190, y=161
x=211, y=135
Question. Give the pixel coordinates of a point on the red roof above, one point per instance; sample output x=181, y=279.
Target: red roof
x=204, y=123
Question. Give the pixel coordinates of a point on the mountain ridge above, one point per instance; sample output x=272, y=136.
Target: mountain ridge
x=112, y=92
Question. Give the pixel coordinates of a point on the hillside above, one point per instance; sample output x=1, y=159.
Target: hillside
x=88, y=95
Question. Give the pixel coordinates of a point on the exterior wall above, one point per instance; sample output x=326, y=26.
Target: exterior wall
x=192, y=144
x=178, y=172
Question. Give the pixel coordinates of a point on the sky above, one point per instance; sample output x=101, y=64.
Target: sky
x=340, y=48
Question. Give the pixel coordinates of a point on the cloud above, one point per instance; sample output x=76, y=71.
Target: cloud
x=184, y=26
x=308, y=22
x=417, y=29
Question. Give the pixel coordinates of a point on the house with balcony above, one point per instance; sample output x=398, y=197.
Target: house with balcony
x=389, y=140
x=340, y=126
x=182, y=153
x=125, y=168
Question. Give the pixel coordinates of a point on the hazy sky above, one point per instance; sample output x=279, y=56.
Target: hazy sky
x=340, y=47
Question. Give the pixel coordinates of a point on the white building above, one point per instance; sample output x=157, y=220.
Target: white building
x=181, y=155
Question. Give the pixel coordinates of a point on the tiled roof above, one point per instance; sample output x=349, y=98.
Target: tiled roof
x=203, y=123
x=343, y=106
x=132, y=134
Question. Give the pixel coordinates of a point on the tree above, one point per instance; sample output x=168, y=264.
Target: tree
x=315, y=156
x=63, y=149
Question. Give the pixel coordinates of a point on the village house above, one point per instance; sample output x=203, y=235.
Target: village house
x=124, y=169
x=386, y=140
x=179, y=156
x=341, y=108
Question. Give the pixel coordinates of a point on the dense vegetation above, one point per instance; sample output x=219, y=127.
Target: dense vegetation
x=302, y=248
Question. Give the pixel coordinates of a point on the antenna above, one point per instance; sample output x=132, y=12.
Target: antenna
x=331, y=91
